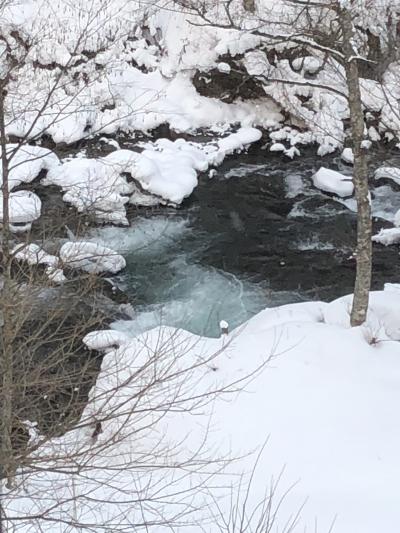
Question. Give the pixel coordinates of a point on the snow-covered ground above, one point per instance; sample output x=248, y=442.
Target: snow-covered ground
x=321, y=397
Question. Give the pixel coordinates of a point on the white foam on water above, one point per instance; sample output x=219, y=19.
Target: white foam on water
x=313, y=243
x=295, y=185
x=244, y=170
x=169, y=286
x=385, y=203
x=145, y=235
x=197, y=298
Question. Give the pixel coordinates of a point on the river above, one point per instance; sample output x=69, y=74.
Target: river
x=257, y=234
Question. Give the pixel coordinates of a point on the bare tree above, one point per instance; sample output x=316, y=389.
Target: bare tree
x=73, y=422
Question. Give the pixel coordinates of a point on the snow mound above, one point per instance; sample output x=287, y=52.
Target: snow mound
x=165, y=172
x=106, y=340
x=239, y=140
x=170, y=169
x=392, y=287
x=333, y=182
x=309, y=64
x=27, y=163
x=391, y=173
x=235, y=142
x=91, y=257
x=33, y=254
x=387, y=236
x=348, y=156
x=24, y=207
x=383, y=314
x=93, y=186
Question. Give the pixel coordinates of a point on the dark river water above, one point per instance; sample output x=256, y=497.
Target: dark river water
x=257, y=234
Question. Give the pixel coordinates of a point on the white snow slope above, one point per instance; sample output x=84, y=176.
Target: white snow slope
x=325, y=398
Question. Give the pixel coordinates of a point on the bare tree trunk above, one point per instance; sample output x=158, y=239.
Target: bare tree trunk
x=360, y=177
x=6, y=359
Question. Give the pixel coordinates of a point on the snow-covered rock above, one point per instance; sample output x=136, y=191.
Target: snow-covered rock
x=391, y=173
x=93, y=186
x=388, y=236
x=239, y=140
x=24, y=207
x=106, y=340
x=348, y=156
x=309, y=64
x=224, y=68
x=91, y=257
x=334, y=182
x=34, y=254
x=27, y=163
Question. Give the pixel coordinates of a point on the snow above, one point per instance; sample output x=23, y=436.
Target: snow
x=320, y=399
x=239, y=140
x=27, y=163
x=91, y=257
x=93, y=187
x=397, y=219
x=105, y=340
x=234, y=142
x=325, y=394
x=138, y=76
x=348, y=156
x=165, y=172
x=34, y=254
x=387, y=236
x=383, y=313
x=277, y=147
x=309, y=64
x=24, y=208
x=392, y=287
x=334, y=182
x=391, y=173
x=88, y=256
x=224, y=67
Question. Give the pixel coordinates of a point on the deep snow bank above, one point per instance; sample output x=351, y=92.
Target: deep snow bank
x=324, y=395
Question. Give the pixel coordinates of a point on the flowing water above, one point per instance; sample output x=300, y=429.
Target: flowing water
x=257, y=234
